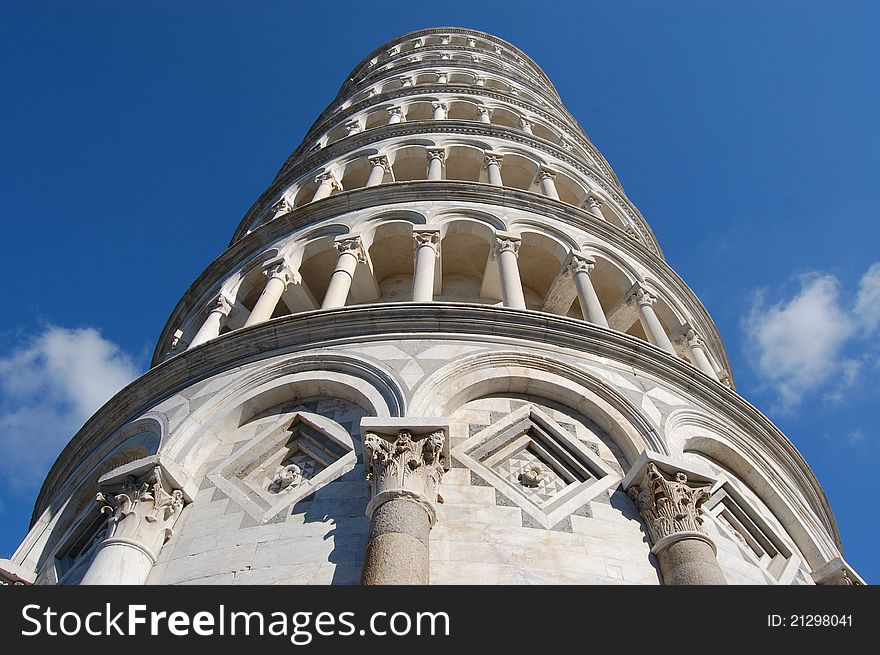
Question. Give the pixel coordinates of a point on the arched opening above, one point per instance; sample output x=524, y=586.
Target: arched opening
x=505, y=117
x=465, y=249
x=391, y=253
x=410, y=163
x=356, y=173
x=318, y=263
x=540, y=260
x=461, y=110
x=518, y=172
x=419, y=111
x=464, y=163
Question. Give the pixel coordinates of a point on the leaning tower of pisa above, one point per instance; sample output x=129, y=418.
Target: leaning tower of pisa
x=442, y=347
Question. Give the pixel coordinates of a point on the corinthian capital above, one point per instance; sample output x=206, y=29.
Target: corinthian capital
x=351, y=246
x=495, y=158
x=381, y=160
x=429, y=238
x=282, y=271
x=579, y=263
x=642, y=297
x=142, y=511
x=220, y=304
x=507, y=243
x=436, y=153
x=281, y=207
x=401, y=466
x=545, y=173
x=328, y=178
x=668, y=506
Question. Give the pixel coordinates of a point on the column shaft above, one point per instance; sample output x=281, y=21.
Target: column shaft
x=268, y=300
x=426, y=257
x=340, y=281
x=508, y=268
x=213, y=323
x=654, y=329
x=548, y=184
x=591, y=308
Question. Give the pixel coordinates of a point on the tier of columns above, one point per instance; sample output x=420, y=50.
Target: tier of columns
x=426, y=244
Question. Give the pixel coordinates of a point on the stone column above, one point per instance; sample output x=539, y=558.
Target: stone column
x=480, y=81
x=485, y=113
x=280, y=276
x=427, y=245
x=395, y=115
x=507, y=250
x=594, y=206
x=472, y=43
x=672, y=514
x=442, y=78
x=352, y=128
x=493, y=168
x=350, y=254
x=218, y=310
x=280, y=208
x=525, y=126
x=142, y=514
x=581, y=266
x=653, y=329
x=404, y=476
x=379, y=168
x=436, y=157
x=548, y=182
x=439, y=111
x=327, y=184
x=408, y=81
x=697, y=352
x=418, y=43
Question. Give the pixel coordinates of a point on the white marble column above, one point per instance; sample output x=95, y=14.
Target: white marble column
x=395, y=115
x=671, y=511
x=427, y=246
x=485, y=115
x=379, y=168
x=493, y=168
x=581, y=266
x=351, y=253
x=442, y=78
x=696, y=349
x=142, y=514
x=548, y=182
x=525, y=125
x=327, y=184
x=507, y=251
x=439, y=111
x=472, y=43
x=653, y=328
x=405, y=474
x=218, y=310
x=436, y=157
x=279, y=277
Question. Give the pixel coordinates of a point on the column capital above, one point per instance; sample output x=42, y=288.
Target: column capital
x=418, y=43
x=484, y=110
x=380, y=160
x=280, y=270
x=395, y=111
x=142, y=511
x=495, y=158
x=328, y=178
x=445, y=55
x=436, y=153
x=444, y=39
x=506, y=242
x=580, y=263
x=545, y=173
x=436, y=104
x=594, y=202
x=692, y=337
x=351, y=245
x=669, y=506
x=429, y=237
x=220, y=303
x=442, y=78
x=401, y=466
x=472, y=43
x=641, y=296
x=479, y=80
x=281, y=207
x=353, y=127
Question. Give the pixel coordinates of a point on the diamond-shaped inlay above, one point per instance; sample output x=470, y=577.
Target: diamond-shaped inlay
x=284, y=463
x=537, y=464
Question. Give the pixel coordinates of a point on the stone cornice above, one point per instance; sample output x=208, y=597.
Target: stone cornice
x=409, y=36
x=404, y=193
x=327, y=120
x=400, y=321
x=319, y=160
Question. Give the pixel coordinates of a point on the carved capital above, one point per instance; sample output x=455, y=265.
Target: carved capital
x=281, y=271
x=523, y=122
x=546, y=174
x=484, y=111
x=693, y=339
x=353, y=127
x=427, y=238
x=594, y=203
x=668, y=507
x=220, y=304
x=351, y=246
x=436, y=153
x=507, y=244
x=472, y=43
x=401, y=466
x=442, y=78
x=141, y=511
x=444, y=40
x=283, y=206
x=436, y=104
x=418, y=43
x=642, y=297
x=381, y=160
x=493, y=158
x=395, y=111
x=329, y=179
x=579, y=263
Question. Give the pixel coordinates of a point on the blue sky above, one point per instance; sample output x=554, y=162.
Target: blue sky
x=133, y=138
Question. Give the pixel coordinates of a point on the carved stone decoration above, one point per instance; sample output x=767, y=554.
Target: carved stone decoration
x=405, y=467
x=668, y=506
x=281, y=208
x=142, y=510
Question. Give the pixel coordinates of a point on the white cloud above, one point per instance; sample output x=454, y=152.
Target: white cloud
x=867, y=309
x=48, y=388
x=797, y=345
